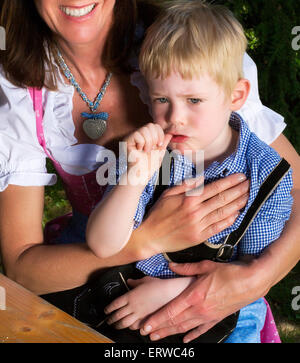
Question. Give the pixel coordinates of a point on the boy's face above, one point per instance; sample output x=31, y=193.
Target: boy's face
x=196, y=112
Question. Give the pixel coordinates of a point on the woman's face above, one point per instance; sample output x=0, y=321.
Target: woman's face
x=77, y=21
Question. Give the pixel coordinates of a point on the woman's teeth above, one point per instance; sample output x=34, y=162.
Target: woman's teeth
x=78, y=12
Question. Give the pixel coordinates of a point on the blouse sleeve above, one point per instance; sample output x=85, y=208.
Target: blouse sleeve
x=264, y=122
x=22, y=159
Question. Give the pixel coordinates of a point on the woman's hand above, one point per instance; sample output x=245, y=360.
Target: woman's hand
x=178, y=221
x=219, y=290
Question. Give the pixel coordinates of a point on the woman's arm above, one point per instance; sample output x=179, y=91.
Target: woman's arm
x=235, y=284
x=284, y=254
x=39, y=267
x=49, y=268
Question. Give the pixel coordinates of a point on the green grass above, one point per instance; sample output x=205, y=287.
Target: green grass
x=280, y=298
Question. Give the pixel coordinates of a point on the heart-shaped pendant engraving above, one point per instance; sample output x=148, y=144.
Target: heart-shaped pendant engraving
x=94, y=128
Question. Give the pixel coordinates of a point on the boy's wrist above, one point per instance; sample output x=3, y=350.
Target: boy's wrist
x=135, y=176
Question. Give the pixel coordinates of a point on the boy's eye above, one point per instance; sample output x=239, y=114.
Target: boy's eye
x=194, y=100
x=161, y=100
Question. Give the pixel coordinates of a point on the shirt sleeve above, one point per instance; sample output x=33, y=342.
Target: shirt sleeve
x=145, y=199
x=22, y=159
x=270, y=221
x=264, y=122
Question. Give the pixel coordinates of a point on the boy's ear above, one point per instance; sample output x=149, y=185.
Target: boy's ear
x=240, y=94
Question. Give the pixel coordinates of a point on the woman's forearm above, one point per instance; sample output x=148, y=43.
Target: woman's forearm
x=49, y=268
x=280, y=257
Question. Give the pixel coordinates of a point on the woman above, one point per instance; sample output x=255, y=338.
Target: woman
x=88, y=38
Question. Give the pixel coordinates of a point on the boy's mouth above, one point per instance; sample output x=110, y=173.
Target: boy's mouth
x=179, y=138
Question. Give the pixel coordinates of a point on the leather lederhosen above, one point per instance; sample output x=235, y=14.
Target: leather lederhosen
x=89, y=303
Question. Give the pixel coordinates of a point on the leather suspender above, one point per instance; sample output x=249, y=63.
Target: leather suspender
x=224, y=252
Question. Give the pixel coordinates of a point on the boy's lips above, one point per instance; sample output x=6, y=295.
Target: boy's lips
x=179, y=138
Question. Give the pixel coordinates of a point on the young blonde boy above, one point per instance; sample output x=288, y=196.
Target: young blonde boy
x=192, y=60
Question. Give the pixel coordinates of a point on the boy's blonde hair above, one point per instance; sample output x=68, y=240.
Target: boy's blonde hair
x=192, y=37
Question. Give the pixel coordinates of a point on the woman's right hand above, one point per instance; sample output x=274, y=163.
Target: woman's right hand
x=178, y=221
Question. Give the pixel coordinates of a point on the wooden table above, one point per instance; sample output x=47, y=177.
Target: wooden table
x=29, y=319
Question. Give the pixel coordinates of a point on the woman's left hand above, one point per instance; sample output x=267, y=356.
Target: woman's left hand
x=219, y=291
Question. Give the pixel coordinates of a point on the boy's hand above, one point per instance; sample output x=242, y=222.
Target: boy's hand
x=146, y=149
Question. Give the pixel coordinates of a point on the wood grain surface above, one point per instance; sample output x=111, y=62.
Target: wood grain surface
x=26, y=318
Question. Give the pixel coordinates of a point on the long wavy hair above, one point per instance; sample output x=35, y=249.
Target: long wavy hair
x=29, y=40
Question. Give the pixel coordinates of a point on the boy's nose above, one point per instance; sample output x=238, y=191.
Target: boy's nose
x=176, y=117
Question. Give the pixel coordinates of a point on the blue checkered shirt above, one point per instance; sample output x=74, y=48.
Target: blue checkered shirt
x=256, y=160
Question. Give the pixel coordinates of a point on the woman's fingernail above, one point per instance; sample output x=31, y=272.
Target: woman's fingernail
x=242, y=177
x=148, y=329
x=154, y=337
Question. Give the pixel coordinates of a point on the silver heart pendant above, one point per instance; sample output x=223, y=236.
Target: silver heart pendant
x=94, y=128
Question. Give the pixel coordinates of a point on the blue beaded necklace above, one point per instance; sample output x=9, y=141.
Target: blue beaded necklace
x=94, y=124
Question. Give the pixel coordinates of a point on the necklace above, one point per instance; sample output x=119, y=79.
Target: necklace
x=95, y=124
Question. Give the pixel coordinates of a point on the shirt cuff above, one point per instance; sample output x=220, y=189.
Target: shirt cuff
x=27, y=179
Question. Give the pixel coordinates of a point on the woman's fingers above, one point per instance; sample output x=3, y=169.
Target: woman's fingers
x=195, y=333
x=222, y=188
x=186, y=186
x=184, y=327
x=214, y=214
x=169, y=314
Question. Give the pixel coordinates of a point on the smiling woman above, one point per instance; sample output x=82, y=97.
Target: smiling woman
x=19, y=37
x=78, y=22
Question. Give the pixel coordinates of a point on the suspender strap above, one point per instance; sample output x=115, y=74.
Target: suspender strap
x=225, y=252
x=37, y=100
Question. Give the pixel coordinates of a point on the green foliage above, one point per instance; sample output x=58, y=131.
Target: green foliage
x=56, y=203
x=268, y=26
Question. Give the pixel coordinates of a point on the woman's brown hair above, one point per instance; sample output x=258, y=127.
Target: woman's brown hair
x=29, y=40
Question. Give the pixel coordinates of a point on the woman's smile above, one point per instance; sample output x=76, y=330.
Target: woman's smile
x=77, y=11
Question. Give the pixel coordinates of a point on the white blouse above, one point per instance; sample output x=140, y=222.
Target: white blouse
x=23, y=160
